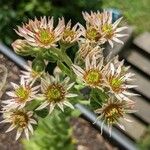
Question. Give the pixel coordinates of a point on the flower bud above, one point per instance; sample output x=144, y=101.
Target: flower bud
x=21, y=47
x=38, y=65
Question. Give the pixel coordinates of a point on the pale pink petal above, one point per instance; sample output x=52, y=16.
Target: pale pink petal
x=60, y=105
x=69, y=95
x=51, y=107
x=32, y=121
x=26, y=131
x=18, y=134
x=68, y=104
x=11, y=128
x=115, y=24
x=30, y=128
x=43, y=105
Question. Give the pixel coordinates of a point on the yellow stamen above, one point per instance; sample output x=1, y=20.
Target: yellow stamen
x=93, y=34
x=116, y=84
x=22, y=93
x=93, y=77
x=20, y=119
x=55, y=93
x=68, y=33
x=45, y=37
x=108, y=30
x=112, y=113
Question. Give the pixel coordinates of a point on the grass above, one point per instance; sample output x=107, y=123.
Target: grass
x=136, y=12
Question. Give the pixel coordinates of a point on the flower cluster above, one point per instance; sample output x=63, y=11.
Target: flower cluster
x=112, y=78
x=51, y=92
x=100, y=28
x=39, y=90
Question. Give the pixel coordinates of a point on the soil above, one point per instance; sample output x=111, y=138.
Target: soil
x=88, y=138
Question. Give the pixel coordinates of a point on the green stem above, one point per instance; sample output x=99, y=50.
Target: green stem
x=63, y=56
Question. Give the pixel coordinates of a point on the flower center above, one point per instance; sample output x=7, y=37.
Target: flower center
x=45, y=37
x=55, y=93
x=112, y=113
x=116, y=84
x=93, y=34
x=20, y=119
x=108, y=30
x=68, y=33
x=22, y=94
x=93, y=77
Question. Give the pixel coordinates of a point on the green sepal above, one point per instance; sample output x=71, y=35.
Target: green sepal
x=25, y=50
x=65, y=46
x=84, y=102
x=79, y=86
x=24, y=53
x=29, y=50
x=51, y=57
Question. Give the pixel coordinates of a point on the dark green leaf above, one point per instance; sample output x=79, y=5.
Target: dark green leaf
x=42, y=113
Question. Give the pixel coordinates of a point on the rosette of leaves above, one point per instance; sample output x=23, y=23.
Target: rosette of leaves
x=53, y=133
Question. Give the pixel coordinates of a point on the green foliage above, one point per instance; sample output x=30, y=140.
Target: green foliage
x=52, y=133
x=98, y=97
x=64, y=68
x=38, y=64
x=15, y=12
x=144, y=143
x=42, y=113
x=136, y=12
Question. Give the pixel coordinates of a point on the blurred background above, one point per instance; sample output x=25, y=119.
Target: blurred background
x=136, y=53
x=15, y=12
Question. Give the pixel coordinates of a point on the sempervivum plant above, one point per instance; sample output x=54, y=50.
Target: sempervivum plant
x=47, y=41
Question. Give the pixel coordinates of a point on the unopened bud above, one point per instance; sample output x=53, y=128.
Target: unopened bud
x=21, y=47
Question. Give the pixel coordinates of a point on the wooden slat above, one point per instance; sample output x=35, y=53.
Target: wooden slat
x=143, y=41
x=134, y=129
x=142, y=82
x=143, y=108
x=138, y=60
